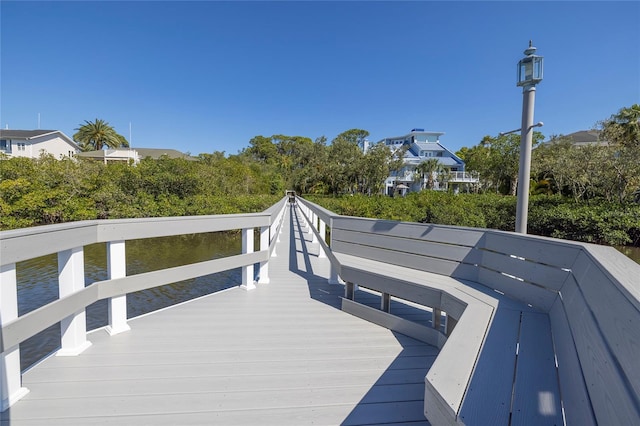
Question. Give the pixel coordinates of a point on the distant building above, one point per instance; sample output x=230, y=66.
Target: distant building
x=421, y=146
x=33, y=143
x=583, y=138
x=133, y=155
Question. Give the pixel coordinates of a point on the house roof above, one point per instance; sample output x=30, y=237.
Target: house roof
x=585, y=136
x=32, y=134
x=24, y=134
x=154, y=153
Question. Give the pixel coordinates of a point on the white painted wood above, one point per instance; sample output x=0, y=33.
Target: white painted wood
x=323, y=235
x=539, y=274
x=23, y=244
x=414, y=261
x=278, y=355
x=117, y=306
x=536, y=398
x=247, y=270
x=451, y=372
x=573, y=389
x=488, y=398
x=313, y=227
x=11, y=389
x=622, y=270
x=436, y=233
x=408, y=328
x=523, y=291
x=548, y=251
x=71, y=280
x=264, y=266
x=617, y=317
x=411, y=245
x=609, y=391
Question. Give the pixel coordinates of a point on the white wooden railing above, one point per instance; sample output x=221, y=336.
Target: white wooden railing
x=68, y=241
x=590, y=295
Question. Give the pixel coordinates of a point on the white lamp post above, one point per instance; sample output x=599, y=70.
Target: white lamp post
x=529, y=74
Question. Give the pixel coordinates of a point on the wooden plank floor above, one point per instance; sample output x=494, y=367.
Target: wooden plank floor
x=282, y=354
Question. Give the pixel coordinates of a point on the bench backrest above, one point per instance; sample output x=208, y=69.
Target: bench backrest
x=592, y=295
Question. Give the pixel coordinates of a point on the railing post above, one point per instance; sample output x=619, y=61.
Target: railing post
x=313, y=226
x=334, y=278
x=385, y=302
x=71, y=280
x=11, y=389
x=349, y=290
x=323, y=235
x=264, y=245
x=117, y=268
x=437, y=318
x=247, y=271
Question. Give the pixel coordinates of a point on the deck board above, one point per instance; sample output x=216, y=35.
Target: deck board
x=281, y=354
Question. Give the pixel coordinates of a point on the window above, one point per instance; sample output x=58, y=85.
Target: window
x=5, y=145
x=21, y=146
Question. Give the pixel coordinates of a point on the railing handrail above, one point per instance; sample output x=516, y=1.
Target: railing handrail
x=68, y=241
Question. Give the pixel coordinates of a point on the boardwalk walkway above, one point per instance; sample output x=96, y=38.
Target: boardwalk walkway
x=281, y=354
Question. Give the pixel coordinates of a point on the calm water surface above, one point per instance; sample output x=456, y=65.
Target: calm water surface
x=632, y=252
x=38, y=281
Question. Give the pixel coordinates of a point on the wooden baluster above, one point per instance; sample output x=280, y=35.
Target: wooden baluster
x=71, y=280
x=11, y=389
x=117, y=268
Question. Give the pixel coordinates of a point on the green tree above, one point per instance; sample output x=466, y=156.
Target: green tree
x=98, y=134
x=497, y=159
x=344, y=160
x=623, y=128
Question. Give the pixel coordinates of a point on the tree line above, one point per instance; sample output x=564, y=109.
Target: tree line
x=46, y=190
x=608, y=170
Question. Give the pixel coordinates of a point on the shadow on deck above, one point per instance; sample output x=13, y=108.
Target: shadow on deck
x=397, y=397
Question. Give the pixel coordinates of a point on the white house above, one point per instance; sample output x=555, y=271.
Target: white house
x=32, y=143
x=133, y=155
x=421, y=146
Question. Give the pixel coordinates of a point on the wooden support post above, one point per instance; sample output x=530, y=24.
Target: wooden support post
x=323, y=235
x=264, y=245
x=437, y=316
x=451, y=324
x=312, y=227
x=117, y=268
x=349, y=290
x=11, y=389
x=385, y=302
x=71, y=280
x=247, y=271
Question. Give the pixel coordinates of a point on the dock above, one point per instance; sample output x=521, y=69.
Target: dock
x=337, y=320
x=282, y=354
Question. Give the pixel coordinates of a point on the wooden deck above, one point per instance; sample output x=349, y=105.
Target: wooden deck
x=281, y=354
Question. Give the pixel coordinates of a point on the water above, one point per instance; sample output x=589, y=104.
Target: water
x=632, y=252
x=38, y=281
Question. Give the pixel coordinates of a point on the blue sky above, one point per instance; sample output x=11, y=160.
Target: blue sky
x=208, y=76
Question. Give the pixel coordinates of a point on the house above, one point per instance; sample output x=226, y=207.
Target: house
x=32, y=143
x=420, y=146
x=133, y=155
x=584, y=138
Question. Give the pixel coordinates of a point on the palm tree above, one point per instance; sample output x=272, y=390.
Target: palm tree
x=427, y=170
x=98, y=134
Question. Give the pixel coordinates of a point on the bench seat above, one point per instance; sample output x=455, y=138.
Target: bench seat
x=499, y=344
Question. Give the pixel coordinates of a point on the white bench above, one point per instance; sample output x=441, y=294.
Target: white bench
x=539, y=331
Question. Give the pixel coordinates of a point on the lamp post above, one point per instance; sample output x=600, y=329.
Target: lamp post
x=529, y=74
